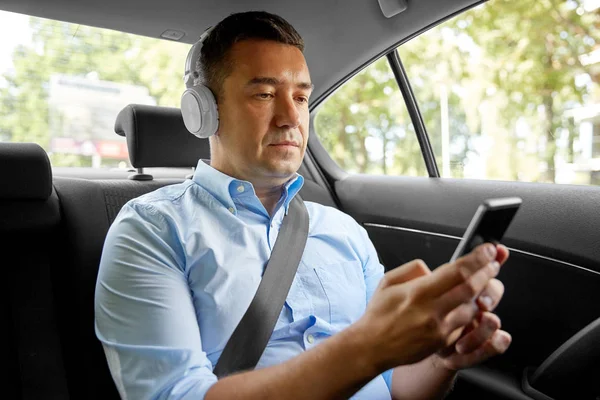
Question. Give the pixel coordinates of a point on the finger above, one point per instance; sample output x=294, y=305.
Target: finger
x=450, y=275
x=454, y=336
x=480, y=256
x=488, y=324
x=502, y=253
x=491, y=295
x=406, y=272
x=497, y=344
x=471, y=325
x=457, y=319
x=468, y=290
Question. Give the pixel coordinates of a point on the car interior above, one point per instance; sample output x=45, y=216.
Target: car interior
x=53, y=221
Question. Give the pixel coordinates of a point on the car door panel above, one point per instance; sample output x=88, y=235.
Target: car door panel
x=551, y=278
x=556, y=221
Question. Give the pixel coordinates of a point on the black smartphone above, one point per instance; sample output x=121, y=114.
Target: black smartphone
x=488, y=225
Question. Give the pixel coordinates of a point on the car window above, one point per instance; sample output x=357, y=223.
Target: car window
x=62, y=86
x=509, y=90
x=365, y=126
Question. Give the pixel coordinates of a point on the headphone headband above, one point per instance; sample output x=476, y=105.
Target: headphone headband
x=192, y=58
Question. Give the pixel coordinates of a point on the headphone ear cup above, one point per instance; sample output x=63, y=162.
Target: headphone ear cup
x=199, y=111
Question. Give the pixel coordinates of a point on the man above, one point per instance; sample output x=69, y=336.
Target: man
x=181, y=265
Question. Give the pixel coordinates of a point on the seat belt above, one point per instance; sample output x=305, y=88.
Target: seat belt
x=249, y=339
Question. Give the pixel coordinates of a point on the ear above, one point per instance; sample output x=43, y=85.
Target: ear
x=218, y=119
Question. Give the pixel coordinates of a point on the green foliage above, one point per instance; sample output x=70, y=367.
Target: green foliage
x=370, y=106
x=507, y=71
x=62, y=48
x=533, y=51
x=510, y=71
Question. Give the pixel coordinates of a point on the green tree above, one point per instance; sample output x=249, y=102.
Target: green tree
x=369, y=107
x=536, y=48
x=437, y=66
x=508, y=63
x=507, y=72
x=75, y=50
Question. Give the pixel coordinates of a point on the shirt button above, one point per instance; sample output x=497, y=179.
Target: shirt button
x=310, y=339
x=231, y=210
x=240, y=188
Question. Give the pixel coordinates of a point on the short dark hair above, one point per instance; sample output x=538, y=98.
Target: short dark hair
x=214, y=64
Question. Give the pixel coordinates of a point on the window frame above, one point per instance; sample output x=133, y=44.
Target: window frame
x=317, y=151
x=414, y=112
x=321, y=157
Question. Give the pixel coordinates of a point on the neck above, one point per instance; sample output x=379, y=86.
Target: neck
x=268, y=190
x=269, y=196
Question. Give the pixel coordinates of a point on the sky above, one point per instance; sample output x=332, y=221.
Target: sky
x=14, y=30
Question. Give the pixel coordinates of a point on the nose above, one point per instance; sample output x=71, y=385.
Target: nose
x=286, y=113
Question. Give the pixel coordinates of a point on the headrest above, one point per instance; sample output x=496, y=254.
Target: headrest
x=157, y=137
x=25, y=172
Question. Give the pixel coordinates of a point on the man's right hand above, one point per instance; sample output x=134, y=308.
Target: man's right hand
x=415, y=312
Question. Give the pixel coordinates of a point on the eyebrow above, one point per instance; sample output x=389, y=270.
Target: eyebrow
x=264, y=80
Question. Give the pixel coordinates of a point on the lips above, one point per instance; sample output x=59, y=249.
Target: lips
x=286, y=143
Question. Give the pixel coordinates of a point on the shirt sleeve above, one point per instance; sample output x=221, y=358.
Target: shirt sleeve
x=144, y=314
x=373, y=271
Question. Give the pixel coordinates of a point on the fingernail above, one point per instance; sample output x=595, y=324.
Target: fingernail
x=500, y=342
x=491, y=326
x=490, y=250
x=487, y=301
x=495, y=266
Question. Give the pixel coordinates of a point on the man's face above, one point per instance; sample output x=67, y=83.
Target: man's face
x=263, y=113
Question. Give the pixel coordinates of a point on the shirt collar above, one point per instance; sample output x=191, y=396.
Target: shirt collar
x=225, y=188
x=290, y=189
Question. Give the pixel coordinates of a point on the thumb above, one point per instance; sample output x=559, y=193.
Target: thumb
x=406, y=272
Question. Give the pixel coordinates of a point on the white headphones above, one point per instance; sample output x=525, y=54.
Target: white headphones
x=198, y=104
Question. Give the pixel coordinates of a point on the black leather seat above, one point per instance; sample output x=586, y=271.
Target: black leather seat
x=156, y=137
x=29, y=226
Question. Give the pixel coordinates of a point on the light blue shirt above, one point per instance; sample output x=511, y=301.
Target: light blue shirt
x=181, y=265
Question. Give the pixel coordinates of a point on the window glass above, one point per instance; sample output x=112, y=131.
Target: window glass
x=62, y=86
x=509, y=90
x=366, y=128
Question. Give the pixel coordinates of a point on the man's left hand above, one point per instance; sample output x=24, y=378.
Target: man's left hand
x=482, y=338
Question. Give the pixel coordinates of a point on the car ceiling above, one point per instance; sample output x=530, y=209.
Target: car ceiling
x=341, y=36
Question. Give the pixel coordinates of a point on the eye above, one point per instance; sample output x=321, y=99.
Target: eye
x=264, y=96
x=302, y=100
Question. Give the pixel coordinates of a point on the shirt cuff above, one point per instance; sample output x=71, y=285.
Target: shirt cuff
x=387, y=377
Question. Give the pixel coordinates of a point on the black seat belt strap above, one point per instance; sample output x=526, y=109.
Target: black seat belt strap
x=250, y=337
